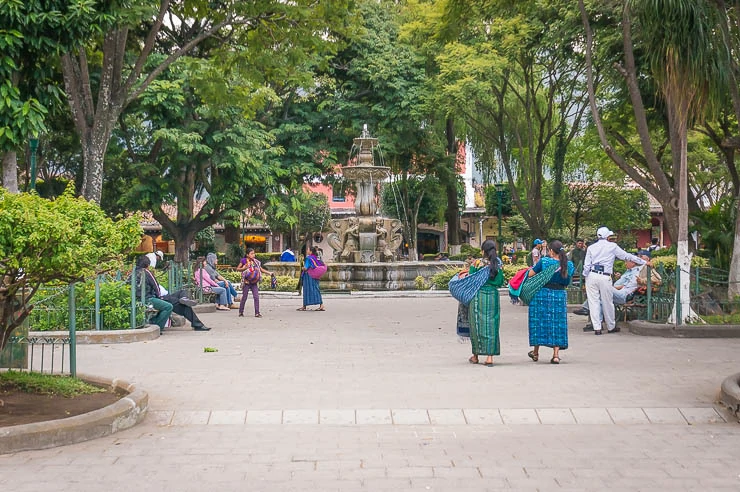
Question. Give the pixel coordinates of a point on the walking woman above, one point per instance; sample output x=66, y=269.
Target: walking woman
x=484, y=310
x=548, y=315
x=251, y=276
x=311, y=291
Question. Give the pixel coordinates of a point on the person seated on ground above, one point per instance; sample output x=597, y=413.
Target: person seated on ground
x=207, y=284
x=288, y=255
x=210, y=266
x=165, y=305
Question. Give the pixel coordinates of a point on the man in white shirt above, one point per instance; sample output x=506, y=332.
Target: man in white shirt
x=597, y=269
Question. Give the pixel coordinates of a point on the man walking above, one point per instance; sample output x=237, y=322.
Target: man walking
x=597, y=269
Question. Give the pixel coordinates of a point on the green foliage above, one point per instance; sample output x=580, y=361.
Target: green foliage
x=669, y=262
x=66, y=240
x=491, y=196
x=33, y=33
x=46, y=384
x=209, y=349
x=420, y=283
x=285, y=283
x=52, y=313
x=441, y=279
x=717, y=231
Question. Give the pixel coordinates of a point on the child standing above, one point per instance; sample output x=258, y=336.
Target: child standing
x=251, y=276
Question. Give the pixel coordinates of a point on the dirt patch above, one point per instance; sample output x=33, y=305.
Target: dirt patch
x=17, y=407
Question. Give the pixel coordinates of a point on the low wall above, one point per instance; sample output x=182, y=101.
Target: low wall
x=646, y=328
x=124, y=413
x=87, y=337
x=399, y=275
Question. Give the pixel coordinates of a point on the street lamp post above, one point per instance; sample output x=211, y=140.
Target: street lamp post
x=499, y=193
x=33, y=143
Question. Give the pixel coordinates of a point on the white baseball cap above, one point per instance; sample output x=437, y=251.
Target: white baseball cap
x=604, y=232
x=160, y=254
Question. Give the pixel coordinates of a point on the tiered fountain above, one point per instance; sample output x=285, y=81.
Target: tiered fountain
x=366, y=246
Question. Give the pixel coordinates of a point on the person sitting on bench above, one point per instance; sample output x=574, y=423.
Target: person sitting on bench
x=165, y=305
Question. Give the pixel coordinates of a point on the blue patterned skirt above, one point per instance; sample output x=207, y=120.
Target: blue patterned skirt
x=311, y=292
x=548, y=319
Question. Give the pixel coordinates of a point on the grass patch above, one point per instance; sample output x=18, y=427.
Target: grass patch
x=721, y=319
x=46, y=384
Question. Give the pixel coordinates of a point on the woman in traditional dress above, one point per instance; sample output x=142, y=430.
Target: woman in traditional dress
x=311, y=291
x=548, y=315
x=483, y=312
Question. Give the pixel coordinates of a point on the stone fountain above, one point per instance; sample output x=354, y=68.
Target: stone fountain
x=366, y=246
x=365, y=238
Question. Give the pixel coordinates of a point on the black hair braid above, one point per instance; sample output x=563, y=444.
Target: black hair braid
x=489, y=249
x=557, y=247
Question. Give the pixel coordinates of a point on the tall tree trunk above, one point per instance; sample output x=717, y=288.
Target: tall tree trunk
x=733, y=286
x=10, y=171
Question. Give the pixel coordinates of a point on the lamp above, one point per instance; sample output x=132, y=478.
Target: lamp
x=33, y=144
x=499, y=193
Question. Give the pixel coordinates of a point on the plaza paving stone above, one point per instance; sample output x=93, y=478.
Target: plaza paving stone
x=376, y=394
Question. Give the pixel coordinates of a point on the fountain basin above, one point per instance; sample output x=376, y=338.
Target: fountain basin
x=399, y=275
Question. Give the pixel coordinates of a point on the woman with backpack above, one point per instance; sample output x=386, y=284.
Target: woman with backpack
x=312, y=270
x=251, y=275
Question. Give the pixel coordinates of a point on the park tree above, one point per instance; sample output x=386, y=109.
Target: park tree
x=207, y=157
x=684, y=56
x=513, y=74
x=298, y=214
x=104, y=78
x=381, y=81
x=33, y=34
x=43, y=241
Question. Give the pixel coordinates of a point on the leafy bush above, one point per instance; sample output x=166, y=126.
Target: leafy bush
x=669, y=262
x=420, y=284
x=52, y=313
x=441, y=279
x=232, y=276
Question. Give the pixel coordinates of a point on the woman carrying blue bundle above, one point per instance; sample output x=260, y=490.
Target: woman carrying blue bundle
x=484, y=309
x=311, y=291
x=548, y=315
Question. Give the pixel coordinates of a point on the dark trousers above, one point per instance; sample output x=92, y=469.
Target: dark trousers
x=245, y=293
x=181, y=309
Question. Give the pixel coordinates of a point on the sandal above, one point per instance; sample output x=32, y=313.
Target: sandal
x=258, y=315
x=320, y=309
x=533, y=356
x=555, y=360
x=301, y=308
x=473, y=359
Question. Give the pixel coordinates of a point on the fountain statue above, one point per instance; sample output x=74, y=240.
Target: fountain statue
x=366, y=245
x=365, y=238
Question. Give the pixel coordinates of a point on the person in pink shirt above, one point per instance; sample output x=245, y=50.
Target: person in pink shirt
x=204, y=280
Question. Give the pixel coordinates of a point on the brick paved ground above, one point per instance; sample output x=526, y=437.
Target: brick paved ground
x=341, y=400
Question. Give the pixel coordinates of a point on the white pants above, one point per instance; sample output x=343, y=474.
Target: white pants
x=599, y=291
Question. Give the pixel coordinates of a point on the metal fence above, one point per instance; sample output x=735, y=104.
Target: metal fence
x=708, y=297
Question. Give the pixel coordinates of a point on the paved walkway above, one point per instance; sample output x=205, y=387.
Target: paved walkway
x=342, y=400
